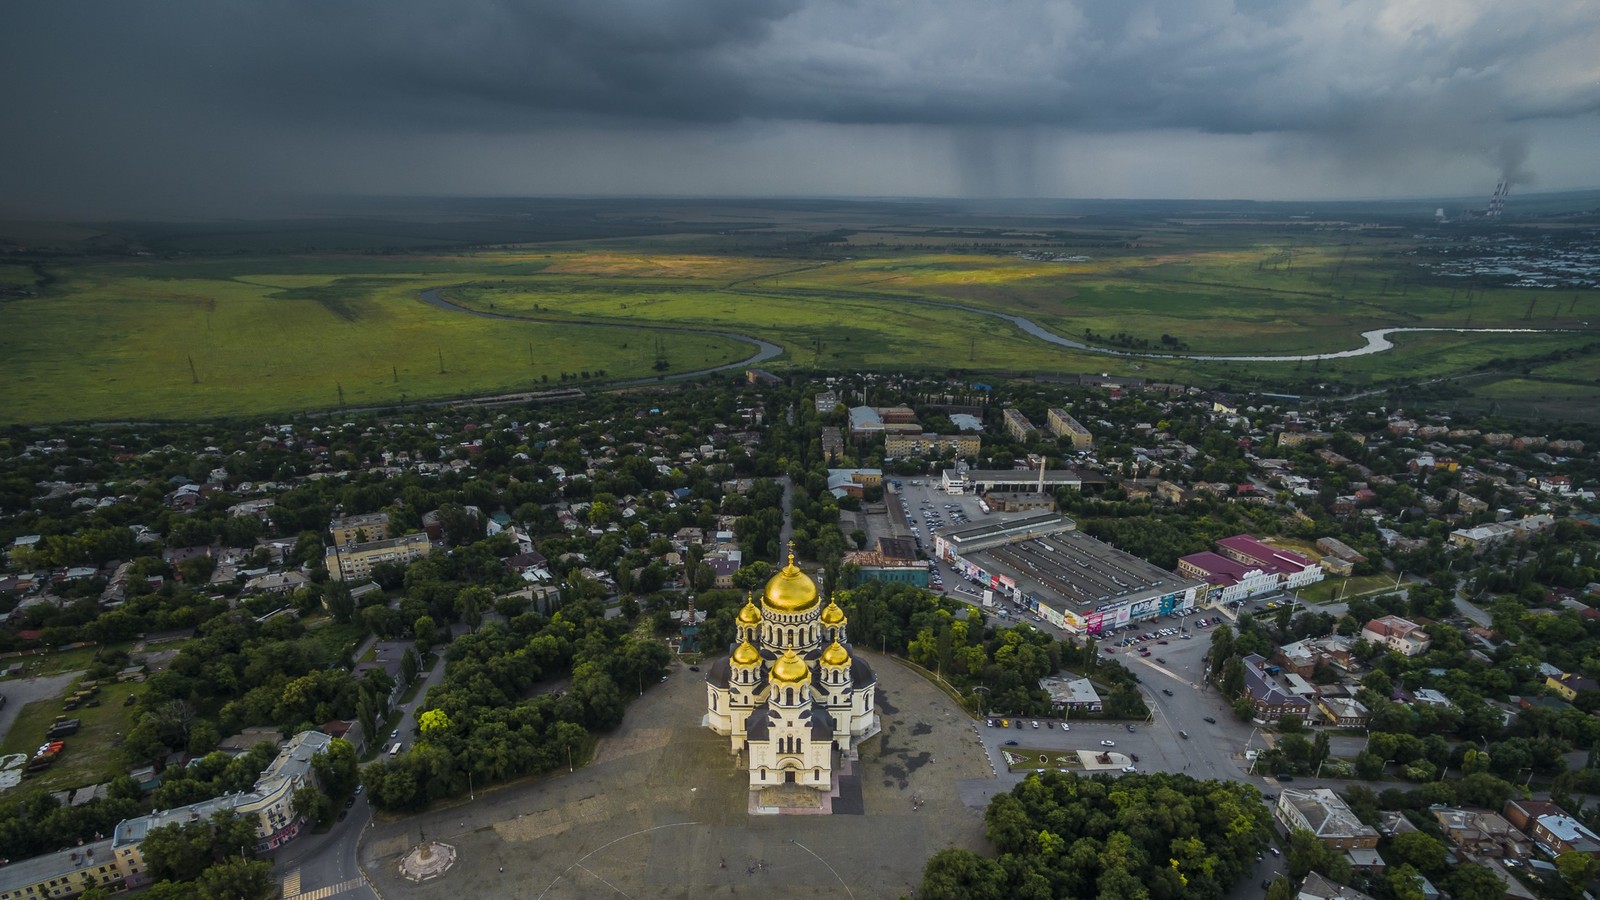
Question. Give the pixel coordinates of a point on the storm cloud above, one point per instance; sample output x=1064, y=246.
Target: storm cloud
x=232, y=107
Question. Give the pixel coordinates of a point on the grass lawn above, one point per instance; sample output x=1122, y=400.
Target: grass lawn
x=1326, y=590
x=1024, y=759
x=334, y=641
x=62, y=660
x=91, y=755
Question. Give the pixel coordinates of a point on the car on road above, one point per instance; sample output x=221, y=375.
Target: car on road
x=1108, y=743
x=1275, y=851
x=1129, y=769
x=1065, y=727
x=1166, y=691
x=991, y=723
x=360, y=788
x=694, y=668
x=343, y=813
x=1160, y=660
x=1210, y=721
x=1184, y=735
x=350, y=802
x=1036, y=723
x=1162, y=643
x=1011, y=743
x=1133, y=756
x=394, y=734
x=1130, y=726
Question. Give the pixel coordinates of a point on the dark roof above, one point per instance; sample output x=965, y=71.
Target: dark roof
x=721, y=672
x=861, y=673
x=822, y=723
x=758, y=727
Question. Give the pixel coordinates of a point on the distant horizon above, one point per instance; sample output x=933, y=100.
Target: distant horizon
x=326, y=205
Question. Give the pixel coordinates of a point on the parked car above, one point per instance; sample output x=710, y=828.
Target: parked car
x=1011, y=743
x=1065, y=727
x=1130, y=726
x=1108, y=743
x=1129, y=769
x=1036, y=723
x=1210, y=720
x=1133, y=756
x=1184, y=735
x=1166, y=691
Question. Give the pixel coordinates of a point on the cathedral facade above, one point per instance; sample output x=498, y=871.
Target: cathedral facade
x=790, y=697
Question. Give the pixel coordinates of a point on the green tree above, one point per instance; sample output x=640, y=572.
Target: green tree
x=1475, y=883
x=341, y=605
x=237, y=879
x=1420, y=851
x=426, y=632
x=313, y=805
x=1577, y=869
x=336, y=768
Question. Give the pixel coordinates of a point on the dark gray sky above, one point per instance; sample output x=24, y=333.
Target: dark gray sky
x=231, y=107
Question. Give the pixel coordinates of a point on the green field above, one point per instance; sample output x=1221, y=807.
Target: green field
x=1329, y=589
x=197, y=336
x=115, y=342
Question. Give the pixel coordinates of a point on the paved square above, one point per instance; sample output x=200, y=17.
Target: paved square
x=662, y=813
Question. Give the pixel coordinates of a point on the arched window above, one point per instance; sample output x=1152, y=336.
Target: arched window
x=788, y=696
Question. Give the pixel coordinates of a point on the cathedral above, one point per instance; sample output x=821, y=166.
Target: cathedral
x=790, y=697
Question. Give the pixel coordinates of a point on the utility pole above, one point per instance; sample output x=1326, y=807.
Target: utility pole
x=441, y=360
x=193, y=375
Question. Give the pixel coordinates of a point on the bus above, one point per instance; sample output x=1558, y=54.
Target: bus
x=983, y=507
x=395, y=750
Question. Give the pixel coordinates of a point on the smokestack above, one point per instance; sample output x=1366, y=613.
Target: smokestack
x=1497, y=203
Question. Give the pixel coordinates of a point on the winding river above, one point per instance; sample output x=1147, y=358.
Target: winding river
x=1377, y=339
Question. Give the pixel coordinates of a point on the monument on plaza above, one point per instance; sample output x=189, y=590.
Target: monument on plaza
x=791, y=698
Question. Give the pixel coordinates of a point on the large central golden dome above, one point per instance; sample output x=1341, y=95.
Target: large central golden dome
x=790, y=591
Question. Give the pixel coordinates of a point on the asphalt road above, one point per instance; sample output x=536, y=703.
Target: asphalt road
x=325, y=864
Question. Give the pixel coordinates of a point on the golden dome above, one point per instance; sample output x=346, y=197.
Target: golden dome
x=836, y=655
x=746, y=655
x=749, y=615
x=790, y=591
x=832, y=614
x=791, y=669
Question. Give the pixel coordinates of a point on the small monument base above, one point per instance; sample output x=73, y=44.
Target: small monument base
x=427, y=860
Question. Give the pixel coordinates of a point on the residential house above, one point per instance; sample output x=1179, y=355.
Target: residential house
x=1550, y=826
x=1063, y=425
x=1271, y=701
x=1322, y=812
x=1017, y=424
x=355, y=561
x=1569, y=685
x=1482, y=833
x=1399, y=635
x=360, y=529
x=1316, y=887
x=1345, y=712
